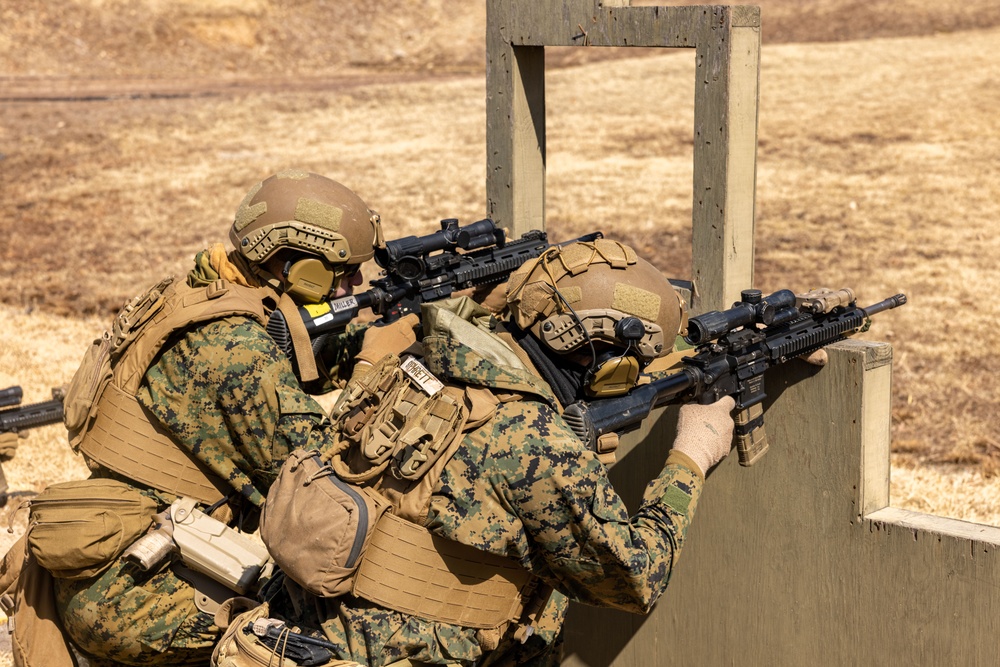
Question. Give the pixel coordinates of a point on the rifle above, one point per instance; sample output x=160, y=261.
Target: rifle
x=733, y=349
x=15, y=420
x=419, y=269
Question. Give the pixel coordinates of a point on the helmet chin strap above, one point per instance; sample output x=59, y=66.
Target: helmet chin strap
x=565, y=379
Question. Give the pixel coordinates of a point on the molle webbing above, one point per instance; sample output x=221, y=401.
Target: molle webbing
x=126, y=439
x=410, y=570
x=123, y=436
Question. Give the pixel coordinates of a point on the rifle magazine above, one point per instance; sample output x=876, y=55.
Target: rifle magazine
x=751, y=439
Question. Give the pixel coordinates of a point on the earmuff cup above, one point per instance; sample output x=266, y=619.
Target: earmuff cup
x=310, y=280
x=615, y=375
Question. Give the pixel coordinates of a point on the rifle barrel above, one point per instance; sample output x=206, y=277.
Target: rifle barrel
x=30, y=416
x=887, y=304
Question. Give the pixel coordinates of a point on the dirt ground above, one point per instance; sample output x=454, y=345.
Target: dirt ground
x=130, y=131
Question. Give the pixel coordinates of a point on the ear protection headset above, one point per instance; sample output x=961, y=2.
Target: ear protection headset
x=311, y=280
x=614, y=371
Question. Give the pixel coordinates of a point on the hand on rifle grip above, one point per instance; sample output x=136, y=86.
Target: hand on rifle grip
x=705, y=432
x=391, y=338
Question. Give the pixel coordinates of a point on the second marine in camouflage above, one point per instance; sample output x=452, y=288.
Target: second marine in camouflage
x=502, y=478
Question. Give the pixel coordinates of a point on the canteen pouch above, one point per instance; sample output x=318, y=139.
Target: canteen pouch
x=316, y=526
x=77, y=529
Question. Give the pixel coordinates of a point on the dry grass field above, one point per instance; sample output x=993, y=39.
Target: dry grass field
x=878, y=169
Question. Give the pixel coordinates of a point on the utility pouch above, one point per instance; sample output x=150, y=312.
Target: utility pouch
x=77, y=529
x=88, y=383
x=316, y=525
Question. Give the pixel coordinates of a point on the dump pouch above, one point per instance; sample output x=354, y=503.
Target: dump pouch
x=77, y=529
x=236, y=648
x=316, y=526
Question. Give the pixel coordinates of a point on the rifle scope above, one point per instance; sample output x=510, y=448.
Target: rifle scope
x=751, y=309
x=405, y=257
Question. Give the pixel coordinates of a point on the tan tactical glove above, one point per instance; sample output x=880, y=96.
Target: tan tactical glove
x=8, y=445
x=817, y=358
x=392, y=338
x=705, y=432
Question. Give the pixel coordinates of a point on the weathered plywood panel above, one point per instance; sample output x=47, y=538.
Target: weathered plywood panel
x=784, y=567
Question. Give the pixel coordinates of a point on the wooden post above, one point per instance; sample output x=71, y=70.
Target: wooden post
x=727, y=48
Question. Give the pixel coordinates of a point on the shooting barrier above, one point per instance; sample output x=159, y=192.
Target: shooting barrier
x=801, y=559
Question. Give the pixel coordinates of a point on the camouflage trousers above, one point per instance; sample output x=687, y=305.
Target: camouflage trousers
x=128, y=617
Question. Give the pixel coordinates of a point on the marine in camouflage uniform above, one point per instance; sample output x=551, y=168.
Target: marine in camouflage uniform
x=229, y=397
x=525, y=487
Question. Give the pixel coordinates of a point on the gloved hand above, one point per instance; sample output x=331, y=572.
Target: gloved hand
x=817, y=358
x=491, y=297
x=705, y=432
x=392, y=338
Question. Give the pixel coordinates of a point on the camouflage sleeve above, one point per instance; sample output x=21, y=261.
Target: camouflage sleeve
x=584, y=543
x=227, y=393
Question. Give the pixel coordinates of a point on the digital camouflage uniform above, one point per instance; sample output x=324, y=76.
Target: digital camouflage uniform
x=535, y=494
x=227, y=394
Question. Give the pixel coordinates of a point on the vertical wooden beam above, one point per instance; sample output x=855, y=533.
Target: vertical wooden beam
x=725, y=148
x=515, y=127
x=727, y=44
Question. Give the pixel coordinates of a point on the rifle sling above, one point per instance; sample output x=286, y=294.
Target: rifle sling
x=301, y=343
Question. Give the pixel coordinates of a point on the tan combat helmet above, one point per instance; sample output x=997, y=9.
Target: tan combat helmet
x=324, y=228
x=601, y=301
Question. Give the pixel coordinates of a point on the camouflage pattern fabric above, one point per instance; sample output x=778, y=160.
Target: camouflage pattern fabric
x=533, y=493
x=228, y=394
x=129, y=617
